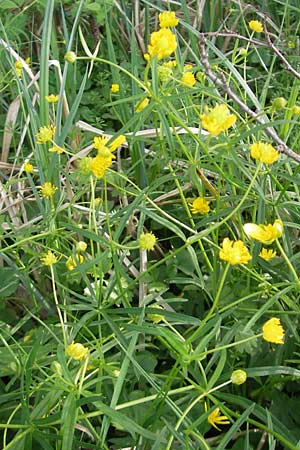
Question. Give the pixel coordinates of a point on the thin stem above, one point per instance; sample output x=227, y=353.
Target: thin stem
x=57, y=307
x=296, y=278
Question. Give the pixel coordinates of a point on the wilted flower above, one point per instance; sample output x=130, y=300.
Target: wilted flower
x=273, y=331
x=215, y=418
x=234, y=252
x=217, y=119
x=264, y=233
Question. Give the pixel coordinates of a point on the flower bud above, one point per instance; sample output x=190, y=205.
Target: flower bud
x=296, y=109
x=56, y=367
x=279, y=103
x=238, y=376
x=243, y=52
x=70, y=57
x=81, y=246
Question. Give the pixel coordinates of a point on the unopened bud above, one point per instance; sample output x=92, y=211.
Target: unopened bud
x=279, y=103
x=238, y=376
x=70, y=57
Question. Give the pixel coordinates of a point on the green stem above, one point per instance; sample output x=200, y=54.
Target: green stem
x=296, y=278
x=57, y=307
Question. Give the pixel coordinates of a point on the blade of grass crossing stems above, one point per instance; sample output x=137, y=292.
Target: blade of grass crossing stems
x=44, y=74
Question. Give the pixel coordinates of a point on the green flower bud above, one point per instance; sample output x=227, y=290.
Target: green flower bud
x=296, y=109
x=238, y=376
x=279, y=103
x=70, y=57
x=243, y=52
x=56, y=367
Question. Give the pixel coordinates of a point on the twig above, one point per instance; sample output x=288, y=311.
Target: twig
x=221, y=82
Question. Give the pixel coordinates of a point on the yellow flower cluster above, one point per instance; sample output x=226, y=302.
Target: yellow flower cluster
x=105, y=156
x=200, y=206
x=147, y=241
x=45, y=134
x=28, y=167
x=49, y=259
x=264, y=233
x=114, y=88
x=273, y=331
x=234, y=252
x=163, y=42
x=52, y=98
x=188, y=79
x=217, y=119
x=265, y=153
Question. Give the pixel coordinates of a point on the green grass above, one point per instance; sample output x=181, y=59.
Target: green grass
x=164, y=328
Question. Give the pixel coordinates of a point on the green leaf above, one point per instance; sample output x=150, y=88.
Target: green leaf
x=8, y=282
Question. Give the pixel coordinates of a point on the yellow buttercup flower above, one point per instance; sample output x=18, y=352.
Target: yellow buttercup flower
x=18, y=68
x=162, y=43
x=52, y=98
x=142, y=105
x=234, y=252
x=215, y=418
x=256, y=26
x=273, y=331
x=77, y=351
x=28, y=167
x=45, y=134
x=267, y=254
x=264, y=233
x=188, y=79
x=114, y=88
x=100, y=164
x=167, y=19
x=217, y=119
x=200, y=206
x=47, y=190
x=265, y=153
x=49, y=259
x=147, y=241
x=72, y=263
x=56, y=149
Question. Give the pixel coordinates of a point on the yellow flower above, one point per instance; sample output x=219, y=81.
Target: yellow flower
x=267, y=254
x=162, y=43
x=47, y=190
x=215, y=418
x=28, y=167
x=99, y=165
x=49, y=259
x=70, y=57
x=81, y=246
x=114, y=88
x=265, y=153
x=200, y=206
x=52, y=98
x=188, y=79
x=142, y=105
x=187, y=67
x=238, y=376
x=45, y=134
x=77, y=351
x=295, y=109
x=264, y=233
x=56, y=149
x=167, y=19
x=72, y=262
x=234, y=252
x=255, y=25
x=273, y=331
x=18, y=68
x=217, y=119
x=117, y=143
x=147, y=241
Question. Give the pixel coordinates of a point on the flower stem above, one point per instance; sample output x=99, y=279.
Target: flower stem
x=296, y=278
x=57, y=306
